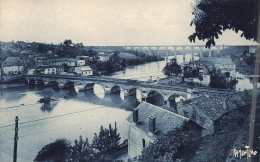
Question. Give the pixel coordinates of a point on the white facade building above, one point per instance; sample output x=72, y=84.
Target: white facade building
x=83, y=71
x=13, y=65
x=45, y=70
x=147, y=122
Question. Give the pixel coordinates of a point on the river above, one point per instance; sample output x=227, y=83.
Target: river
x=82, y=114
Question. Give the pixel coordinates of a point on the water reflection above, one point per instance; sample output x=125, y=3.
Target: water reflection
x=48, y=106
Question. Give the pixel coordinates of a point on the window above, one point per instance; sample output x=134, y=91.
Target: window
x=143, y=142
x=186, y=114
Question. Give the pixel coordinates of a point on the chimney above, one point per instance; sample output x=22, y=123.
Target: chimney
x=135, y=115
x=152, y=124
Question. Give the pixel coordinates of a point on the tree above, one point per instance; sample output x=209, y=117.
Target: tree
x=172, y=68
x=217, y=79
x=107, y=140
x=67, y=43
x=47, y=94
x=81, y=151
x=214, y=16
x=167, y=146
x=56, y=151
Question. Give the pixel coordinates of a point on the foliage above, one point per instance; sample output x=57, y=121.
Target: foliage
x=107, y=140
x=172, y=68
x=56, y=151
x=219, y=80
x=190, y=73
x=47, y=93
x=81, y=151
x=67, y=42
x=107, y=144
x=214, y=16
x=166, y=146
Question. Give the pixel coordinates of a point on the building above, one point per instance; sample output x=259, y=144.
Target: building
x=71, y=62
x=13, y=65
x=104, y=58
x=252, y=49
x=81, y=62
x=224, y=64
x=41, y=60
x=147, y=122
x=31, y=71
x=45, y=70
x=206, y=110
x=59, y=69
x=205, y=78
x=83, y=71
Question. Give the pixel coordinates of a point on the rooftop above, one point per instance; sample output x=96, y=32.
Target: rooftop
x=13, y=61
x=215, y=107
x=44, y=67
x=85, y=68
x=165, y=120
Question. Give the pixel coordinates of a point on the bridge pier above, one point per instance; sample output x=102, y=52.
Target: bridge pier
x=192, y=54
x=209, y=53
x=183, y=57
x=167, y=57
x=79, y=87
x=107, y=90
x=61, y=85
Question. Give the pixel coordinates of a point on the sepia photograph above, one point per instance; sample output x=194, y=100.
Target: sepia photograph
x=129, y=81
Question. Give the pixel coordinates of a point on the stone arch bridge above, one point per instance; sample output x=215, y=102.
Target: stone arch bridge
x=172, y=50
x=113, y=85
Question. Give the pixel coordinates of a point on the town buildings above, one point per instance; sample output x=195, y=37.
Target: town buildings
x=205, y=110
x=13, y=65
x=225, y=64
x=45, y=70
x=83, y=71
x=148, y=121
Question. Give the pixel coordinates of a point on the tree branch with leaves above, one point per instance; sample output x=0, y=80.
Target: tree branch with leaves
x=213, y=17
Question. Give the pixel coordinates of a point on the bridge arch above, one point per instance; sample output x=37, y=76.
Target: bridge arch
x=179, y=49
x=89, y=87
x=145, y=48
x=54, y=85
x=132, y=92
x=162, y=48
x=116, y=90
x=40, y=83
x=70, y=87
x=128, y=48
x=98, y=89
x=188, y=49
x=153, y=48
x=171, y=48
x=31, y=82
x=137, y=48
x=155, y=98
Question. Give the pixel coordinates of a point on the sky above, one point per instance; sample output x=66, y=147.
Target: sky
x=103, y=22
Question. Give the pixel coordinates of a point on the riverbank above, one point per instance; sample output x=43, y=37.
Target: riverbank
x=12, y=85
x=116, y=64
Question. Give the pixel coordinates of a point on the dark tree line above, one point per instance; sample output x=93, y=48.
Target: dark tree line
x=104, y=143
